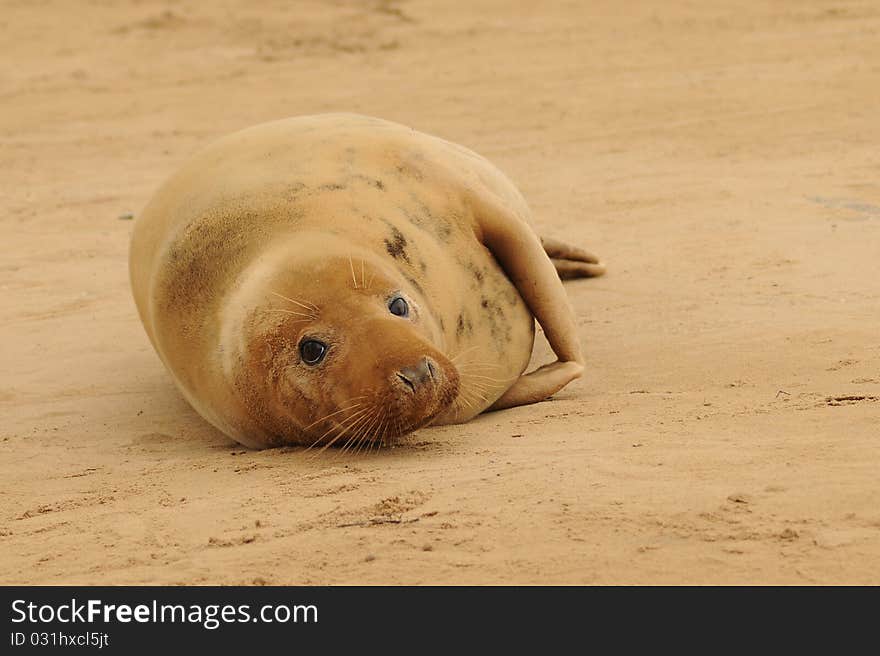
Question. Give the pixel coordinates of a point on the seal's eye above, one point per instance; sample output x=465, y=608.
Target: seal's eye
x=398, y=307
x=312, y=351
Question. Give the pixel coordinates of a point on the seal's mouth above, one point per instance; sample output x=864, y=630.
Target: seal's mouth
x=419, y=392
x=413, y=396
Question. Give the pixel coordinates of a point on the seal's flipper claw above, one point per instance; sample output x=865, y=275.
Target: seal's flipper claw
x=558, y=249
x=569, y=269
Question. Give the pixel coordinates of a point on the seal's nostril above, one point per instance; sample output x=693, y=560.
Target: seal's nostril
x=407, y=382
x=415, y=377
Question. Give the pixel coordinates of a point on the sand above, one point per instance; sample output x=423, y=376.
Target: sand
x=721, y=157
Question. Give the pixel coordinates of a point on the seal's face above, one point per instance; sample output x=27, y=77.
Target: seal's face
x=346, y=354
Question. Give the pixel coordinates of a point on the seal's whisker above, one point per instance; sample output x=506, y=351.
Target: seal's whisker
x=307, y=306
x=363, y=276
x=351, y=407
x=363, y=426
x=353, y=436
x=354, y=427
x=386, y=426
x=480, y=381
x=356, y=442
x=363, y=438
x=470, y=376
x=357, y=413
x=379, y=438
x=464, y=400
x=354, y=406
x=485, y=391
x=479, y=373
x=473, y=393
x=353, y=278
x=309, y=317
x=481, y=392
x=347, y=428
x=376, y=437
x=379, y=435
x=300, y=321
x=478, y=365
x=469, y=400
x=475, y=386
x=467, y=350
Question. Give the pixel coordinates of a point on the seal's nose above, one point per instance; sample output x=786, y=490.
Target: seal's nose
x=423, y=373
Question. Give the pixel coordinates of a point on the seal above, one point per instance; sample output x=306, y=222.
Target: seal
x=343, y=280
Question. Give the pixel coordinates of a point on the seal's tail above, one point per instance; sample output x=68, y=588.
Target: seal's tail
x=572, y=261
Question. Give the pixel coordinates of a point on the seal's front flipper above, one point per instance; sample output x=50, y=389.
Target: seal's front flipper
x=539, y=385
x=523, y=258
x=571, y=261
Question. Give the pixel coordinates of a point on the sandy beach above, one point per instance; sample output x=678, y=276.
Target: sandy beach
x=723, y=160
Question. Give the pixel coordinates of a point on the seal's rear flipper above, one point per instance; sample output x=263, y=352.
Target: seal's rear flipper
x=571, y=261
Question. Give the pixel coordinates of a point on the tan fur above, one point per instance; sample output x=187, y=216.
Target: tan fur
x=305, y=227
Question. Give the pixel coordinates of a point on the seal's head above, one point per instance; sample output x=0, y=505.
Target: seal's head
x=339, y=350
